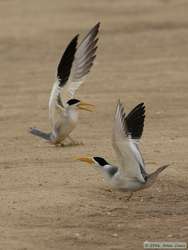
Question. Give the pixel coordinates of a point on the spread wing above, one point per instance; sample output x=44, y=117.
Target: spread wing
x=74, y=65
x=126, y=133
x=63, y=73
x=83, y=61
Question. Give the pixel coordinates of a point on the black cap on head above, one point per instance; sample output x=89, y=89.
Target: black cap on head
x=73, y=101
x=100, y=161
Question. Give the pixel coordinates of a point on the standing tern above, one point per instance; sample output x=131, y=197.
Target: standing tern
x=74, y=65
x=131, y=174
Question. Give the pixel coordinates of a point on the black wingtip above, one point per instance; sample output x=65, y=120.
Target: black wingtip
x=135, y=121
x=94, y=31
x=65, y=64
x=96, y=26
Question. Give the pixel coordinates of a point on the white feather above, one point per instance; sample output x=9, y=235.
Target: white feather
x=82, y=63
x=126, y=149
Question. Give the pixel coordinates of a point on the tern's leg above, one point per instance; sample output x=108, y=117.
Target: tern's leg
x=63, y=145
x=130, y=196
x=72, y=143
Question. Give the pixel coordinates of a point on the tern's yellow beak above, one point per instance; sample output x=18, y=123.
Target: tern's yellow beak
x=86, y=106
x=85, y=159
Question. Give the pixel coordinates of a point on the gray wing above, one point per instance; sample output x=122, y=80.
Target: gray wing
x=74, y=65
x=83, y=61
x=63, y=74
x=126, y=133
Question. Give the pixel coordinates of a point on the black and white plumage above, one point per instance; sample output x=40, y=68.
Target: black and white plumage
x=126, y=134
x=127, y=131
x=72, y=69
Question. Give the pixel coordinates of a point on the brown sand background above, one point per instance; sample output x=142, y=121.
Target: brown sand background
x=49, y=201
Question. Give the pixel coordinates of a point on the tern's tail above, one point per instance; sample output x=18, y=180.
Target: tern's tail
x=39, y=133
x=153, y=176
x=158, y=171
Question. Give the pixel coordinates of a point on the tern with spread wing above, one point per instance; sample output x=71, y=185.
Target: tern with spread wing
x=74, y=65
x=131, y=174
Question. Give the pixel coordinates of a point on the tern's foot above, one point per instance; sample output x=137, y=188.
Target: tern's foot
x=76, y=144
x=72, y=144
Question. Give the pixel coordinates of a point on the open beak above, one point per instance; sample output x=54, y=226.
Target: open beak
x=86, y=106
x=85, y=159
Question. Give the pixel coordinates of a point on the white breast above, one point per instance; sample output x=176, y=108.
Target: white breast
x=124, y=183
x=65, y=123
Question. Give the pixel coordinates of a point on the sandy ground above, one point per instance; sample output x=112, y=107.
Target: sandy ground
x=48, y=200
